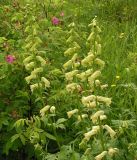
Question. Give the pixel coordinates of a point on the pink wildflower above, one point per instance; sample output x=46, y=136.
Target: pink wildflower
x=62, y=14
x=55, y=21
x=10, y=58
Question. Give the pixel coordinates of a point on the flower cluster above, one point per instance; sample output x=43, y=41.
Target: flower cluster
x=10, y=58
x=30, y=65
x=90, y=77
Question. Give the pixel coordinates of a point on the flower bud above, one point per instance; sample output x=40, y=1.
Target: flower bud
x=91, y=37
x=52, y=109
x=97, y=82
x=98, y=48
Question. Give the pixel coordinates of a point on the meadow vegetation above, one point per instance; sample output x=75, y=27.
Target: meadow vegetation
x=68, y=80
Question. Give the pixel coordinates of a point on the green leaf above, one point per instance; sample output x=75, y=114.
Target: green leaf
x=61, y=120
x=22, y=138
x=48, y=135
x=13, y=138
x=75, y=156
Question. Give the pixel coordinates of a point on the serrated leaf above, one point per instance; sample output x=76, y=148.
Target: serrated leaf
x=22, y=138
x=61, y=120
x=62, y=126
x=13, y=138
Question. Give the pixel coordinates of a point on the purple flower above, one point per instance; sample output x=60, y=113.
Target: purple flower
x=55, y=21
x=10, y=58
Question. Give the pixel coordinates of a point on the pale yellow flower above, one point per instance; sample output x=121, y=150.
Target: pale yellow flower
x=35, y=86
x=52, y=109
x=100, y=62
x=67, y=64
x=87, y=60
x=103, y=117
x=41, y=60
x=91, y=104
x=44, y=110
x=105, y=100
x=104, y=86
x=69, y=76
x=29, y=78
x=91, y=37
x=97, y=82
x=96, y=115
x=70, y=51
x=46, y=82
x=112, y=151
x=37, y=70
x=117, y=77
x=92, y=78
x=72, y=86
x=70, y=113
x=30, y=65
x=101, y=155
x=83, y=76
x=98, y=48
x=110, y=131
x=86, y=100
x=73, y=59
x=94, y=131
x=82, y=117
x=27, y=60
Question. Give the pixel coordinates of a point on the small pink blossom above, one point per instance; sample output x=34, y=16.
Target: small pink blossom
x=62, y=14
x=55, y=21
x=10, y=58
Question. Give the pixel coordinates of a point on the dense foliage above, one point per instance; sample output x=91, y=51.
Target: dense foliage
x=68, y=80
